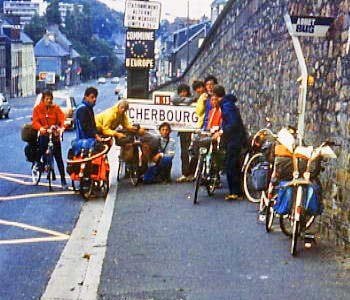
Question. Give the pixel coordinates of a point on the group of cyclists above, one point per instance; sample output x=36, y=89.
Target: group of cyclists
x=215, y=109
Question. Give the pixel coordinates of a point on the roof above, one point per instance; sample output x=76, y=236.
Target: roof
x=75, y=54
x=218, y=2
x=46, y=47
x=25, y=38
x=60, y=37
x=180, y=36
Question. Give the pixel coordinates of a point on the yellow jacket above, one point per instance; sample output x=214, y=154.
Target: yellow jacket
x=200, y=109
x=108, y=120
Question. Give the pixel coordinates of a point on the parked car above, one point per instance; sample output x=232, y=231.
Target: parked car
x=4, y=106
x=101, y=80
x=66, y=103
x=115, y=80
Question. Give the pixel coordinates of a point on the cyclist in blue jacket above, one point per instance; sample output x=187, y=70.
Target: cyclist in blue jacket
x=233, y=138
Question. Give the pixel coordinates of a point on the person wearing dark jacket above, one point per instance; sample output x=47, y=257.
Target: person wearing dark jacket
x=233, y=138
x=85, y=118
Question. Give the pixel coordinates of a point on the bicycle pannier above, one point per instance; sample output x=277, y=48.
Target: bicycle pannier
x=31, y=152
x=28, y=133
x=313, y=203
x=284, y=199
x=261, y=176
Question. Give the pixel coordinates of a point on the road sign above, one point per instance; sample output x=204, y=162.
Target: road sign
x=42, y=76
x=151, y=116
x=142, y=14
x=310, y=25
x=139, y=49
x=162, y=97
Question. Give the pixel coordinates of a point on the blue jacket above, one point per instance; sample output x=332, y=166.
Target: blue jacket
x=85, y=121
x=234, y=133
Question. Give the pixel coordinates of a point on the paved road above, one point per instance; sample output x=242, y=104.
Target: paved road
x=161, y=247
x=26, y=267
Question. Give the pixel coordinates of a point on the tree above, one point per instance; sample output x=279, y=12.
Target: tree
x=36, y=28
x=53, y=15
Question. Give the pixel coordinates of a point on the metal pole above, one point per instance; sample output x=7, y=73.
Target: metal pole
x=303, y=85
x=188, y=32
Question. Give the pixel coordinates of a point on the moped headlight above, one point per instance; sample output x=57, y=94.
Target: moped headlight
x=203, y=150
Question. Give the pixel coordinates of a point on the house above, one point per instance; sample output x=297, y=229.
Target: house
x=24, y=9
x=27, y=80
x=54, y=53
x=216, y=8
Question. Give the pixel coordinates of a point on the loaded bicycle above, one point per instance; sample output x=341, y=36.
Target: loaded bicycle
x=91, y=169
x=208, y=168
x=46, y=161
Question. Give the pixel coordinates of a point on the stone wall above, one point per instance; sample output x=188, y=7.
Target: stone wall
x=250, y=52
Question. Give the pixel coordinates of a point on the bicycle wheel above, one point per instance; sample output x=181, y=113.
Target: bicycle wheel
x=213, y=180
x=295, y=235
x=119, y=169
x=134, y=173
x=36, y=173
x=86, y=187
x=198, y=179
x=286, y=223
x=270, y=215
x=252, y=195
x=104, y=188
x=50, y=173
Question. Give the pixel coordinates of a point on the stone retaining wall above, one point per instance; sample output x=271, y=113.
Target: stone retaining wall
x=251, y=53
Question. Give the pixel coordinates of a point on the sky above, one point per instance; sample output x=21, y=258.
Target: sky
x=172, y=8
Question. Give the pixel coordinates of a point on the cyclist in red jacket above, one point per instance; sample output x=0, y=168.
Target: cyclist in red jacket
x=45, y=115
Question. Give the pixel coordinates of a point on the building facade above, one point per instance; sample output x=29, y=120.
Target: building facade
x=25, y=9
x=65, y=8
x=216, y=8
x=27, y=81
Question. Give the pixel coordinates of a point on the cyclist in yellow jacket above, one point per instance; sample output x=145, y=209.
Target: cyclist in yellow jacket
x=108, y=121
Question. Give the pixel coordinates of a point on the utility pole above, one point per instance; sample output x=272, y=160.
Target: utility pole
x=188, y=33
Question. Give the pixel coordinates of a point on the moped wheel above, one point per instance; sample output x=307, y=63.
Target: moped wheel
x=252, y=195
x=270, y=215
x=36, y=173
x=198, y=179
x=286, y=224
x=86, y=188
x=295, y=235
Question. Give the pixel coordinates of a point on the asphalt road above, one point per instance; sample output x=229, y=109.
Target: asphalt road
x=161, y=247
x=25, y=266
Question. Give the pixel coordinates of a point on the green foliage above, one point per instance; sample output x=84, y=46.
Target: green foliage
x=36, y=28
x=53, y=14
x=97, y=57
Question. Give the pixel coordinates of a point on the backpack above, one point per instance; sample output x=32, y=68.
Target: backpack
x=261, y=176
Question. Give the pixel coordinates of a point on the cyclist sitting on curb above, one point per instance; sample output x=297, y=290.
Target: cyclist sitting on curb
x=234, y=137
x=108, y=121
x=161, y=171
x=45, y=115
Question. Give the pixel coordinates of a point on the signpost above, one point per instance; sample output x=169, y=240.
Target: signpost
x=142, y=14
x=180, y=118
x=141, y=18
x=310, y=26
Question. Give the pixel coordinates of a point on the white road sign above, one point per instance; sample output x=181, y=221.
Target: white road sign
x=152, y=115
x=142, y=14
x=310, y=25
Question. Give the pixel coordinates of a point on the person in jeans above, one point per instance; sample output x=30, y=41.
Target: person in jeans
x=45, y=115
x=233, y=137
x=162, y=170
x=188, y=167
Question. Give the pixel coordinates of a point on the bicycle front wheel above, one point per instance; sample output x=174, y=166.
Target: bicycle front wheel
x=295, y=235
x=86, y=188
x=198, y=179
x=50, y=173
x=270, y=215
x=252, y=195
x=36, y=173
x=134, y=174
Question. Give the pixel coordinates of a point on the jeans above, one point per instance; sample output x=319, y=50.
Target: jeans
x=232, y=160
x=188, y=167
x=162, y=170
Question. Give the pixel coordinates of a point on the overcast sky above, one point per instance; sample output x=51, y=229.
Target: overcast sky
x=172, y=8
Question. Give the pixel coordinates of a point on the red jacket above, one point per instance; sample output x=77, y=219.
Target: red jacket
x=214, y=118
x=46, y=117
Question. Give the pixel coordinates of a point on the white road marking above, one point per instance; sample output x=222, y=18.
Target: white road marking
x=72, y=268
x=19, y=118
x=55, y=235
x=8, y=121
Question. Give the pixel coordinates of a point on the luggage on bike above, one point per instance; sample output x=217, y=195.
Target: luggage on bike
x=29, y=134
x=313, y=203
x=284, y=199
x=31, y=152
x=261, y=176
